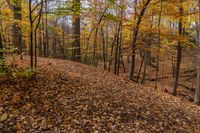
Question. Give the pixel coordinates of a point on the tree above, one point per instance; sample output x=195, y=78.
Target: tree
x=135, y=34
x=1, y=46
x=77, y=32
x=34, y=29
x=103, y=32
x=46, y=36
x=16, y=7
x=1, y=41
x=197, y=92
x=158, y=44
x=179, y=50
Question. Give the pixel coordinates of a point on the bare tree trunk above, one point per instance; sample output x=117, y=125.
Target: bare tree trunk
x=197, y=92
x=77, y=32
x=104, y=49
x=17, y=31
x=35, y=40
x=40, y=44
x=94, y=58
x=107, y=44
x=1, y=47
x=46, y=30
x=55, y=46
x=44, y=40
x=147, y=53
x=179, y=54
x=122, y=60
x=1, y=40
x=111, y=53
x=120, y=36
x=117, y=50
x=35, y=31
x=94, y=47
x=173, y=66
x=63, y=43
x=140, y=68
x=150, y=67
x=133, y=56
x=145, y=66
x=31, y=34
x=120, y=56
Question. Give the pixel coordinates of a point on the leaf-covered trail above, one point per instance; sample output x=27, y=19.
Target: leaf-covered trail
x=72, y=97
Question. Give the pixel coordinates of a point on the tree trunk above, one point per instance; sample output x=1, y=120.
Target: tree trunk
x=104, y=49
x=135, y=34
x=111, y=52
x=17, y=30
x=140, y=68
x=1, y=47
x=94, y=47
x=145, y=66
x=197, y=92
x=77, y=32
x=117, y=47
x=147, y=53
x=40, y=44
x=44, y=40
x=179, y=54
x=132, y=72
x=46, y=31
x=63, y=43
x=55, y=46
x=33, y=32
x=1, y=40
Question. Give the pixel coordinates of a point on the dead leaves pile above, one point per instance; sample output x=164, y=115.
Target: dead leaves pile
x=72, y=97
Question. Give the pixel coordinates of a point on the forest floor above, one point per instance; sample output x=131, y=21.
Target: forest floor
x=165, y=83
x=72, y=97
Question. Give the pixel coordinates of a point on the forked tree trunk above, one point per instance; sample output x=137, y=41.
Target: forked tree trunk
x=135, y=34
x=33, y=33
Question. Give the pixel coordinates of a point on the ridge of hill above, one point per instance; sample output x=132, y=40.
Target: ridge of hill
x=73, y=97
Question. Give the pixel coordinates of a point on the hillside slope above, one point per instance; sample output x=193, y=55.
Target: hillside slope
x=72, y=97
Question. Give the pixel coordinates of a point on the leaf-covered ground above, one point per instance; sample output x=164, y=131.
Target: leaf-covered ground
x=72, y=97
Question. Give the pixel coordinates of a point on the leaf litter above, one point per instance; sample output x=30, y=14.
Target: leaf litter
x=73, y=97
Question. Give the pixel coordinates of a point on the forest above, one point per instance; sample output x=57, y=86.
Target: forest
x=95, y=66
